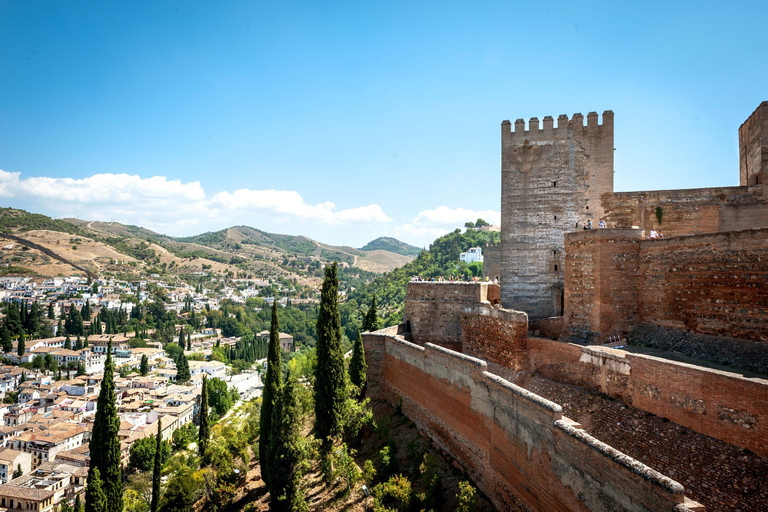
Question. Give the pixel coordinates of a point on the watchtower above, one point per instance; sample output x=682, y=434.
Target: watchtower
x=553, y=180
x=753, y=149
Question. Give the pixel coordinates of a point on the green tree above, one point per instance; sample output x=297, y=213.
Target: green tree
x=371, y=320
x=6, y=340
x=182, y=370
x=330, y=375
x=179, y=495
x=95, y=497
x=144, y=366
x=105, y=446
x=204, y=433
x=51, y=316
x=141, y=456
x=157, y=468
x=289, y=449
x=21, y=348
x=220, y=397
x=78, y=505
x=80, y=369
x=17, y=472
x=68, y=343
x=357, y=366
x=270, y=395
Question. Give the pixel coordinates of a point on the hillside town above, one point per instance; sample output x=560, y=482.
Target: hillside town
x=49, y=386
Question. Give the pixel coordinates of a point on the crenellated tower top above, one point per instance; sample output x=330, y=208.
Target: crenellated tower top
x=547, y=131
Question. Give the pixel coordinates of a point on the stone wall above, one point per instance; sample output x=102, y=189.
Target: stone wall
x=753, y=148
x=492, y=261
x=687, y=212
x=723, y=405
x=552, y=181
x=708, y=284
x=494, y=334
x=433, y=309
x=517, y=447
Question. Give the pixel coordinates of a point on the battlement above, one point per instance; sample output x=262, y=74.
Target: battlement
x=547, y=131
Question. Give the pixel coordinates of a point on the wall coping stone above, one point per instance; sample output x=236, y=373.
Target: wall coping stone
x=540, y=401
x=474, y=361
x=664, y=482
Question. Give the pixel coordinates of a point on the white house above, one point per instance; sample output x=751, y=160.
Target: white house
x=472, y=255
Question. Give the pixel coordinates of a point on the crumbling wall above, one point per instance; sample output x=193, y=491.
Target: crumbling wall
x=494, y=334
x=433, y=309
x=517, y=447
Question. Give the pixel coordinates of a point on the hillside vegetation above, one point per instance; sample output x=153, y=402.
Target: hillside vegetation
x=392, y=245
x=441, y=259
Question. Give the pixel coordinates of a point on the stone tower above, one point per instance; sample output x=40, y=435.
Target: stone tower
x=552, y=182
x=753, y=149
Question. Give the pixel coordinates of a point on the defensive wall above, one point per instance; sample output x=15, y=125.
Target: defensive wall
x=518, y=447
x=433, y=309
x=720, y=404
x=555, y=179
x=712, y=284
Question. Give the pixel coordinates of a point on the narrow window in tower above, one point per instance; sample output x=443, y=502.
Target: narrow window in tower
x=555, y=268
x=554, y=183
x=555, y=217
x=587, y=207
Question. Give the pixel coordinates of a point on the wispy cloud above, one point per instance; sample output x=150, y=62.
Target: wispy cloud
x=430, y=224
x=173, y=206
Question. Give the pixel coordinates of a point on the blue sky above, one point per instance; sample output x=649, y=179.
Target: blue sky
x=349, y=121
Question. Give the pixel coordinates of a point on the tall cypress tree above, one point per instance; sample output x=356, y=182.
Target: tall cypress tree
x=144, y=366
x=269, y=397
x=182, y=369
x=21, y=348
x=357, y=366
x=51, y=316
x=68, y=343
x=371, y=320
x=6, y=340
x=330, y=375
x=204, y=432
x=105, y=446
x=157, y=469
x=287, y=448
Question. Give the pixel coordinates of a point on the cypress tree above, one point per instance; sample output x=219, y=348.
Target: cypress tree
x=144, y=367
x=371, y=320
x=330, y=375
x=21, y=347
x=189, y=342
x=80, y=369
x=78, y=504
x=204, y=431
x=23, y=314
x=6, y=340
x=68, y=343
x=78, y=344
x=95, y=497
x=157, y=469
x=105, y=446
x=287, y=448
x=270, y=396
x=51, y=316
x=182, y=369
x=357, y=366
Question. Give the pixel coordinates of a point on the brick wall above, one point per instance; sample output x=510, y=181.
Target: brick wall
x=517, y=447
x=723, y=405
x=494, y=334
x=434, y=309
x=707, y=284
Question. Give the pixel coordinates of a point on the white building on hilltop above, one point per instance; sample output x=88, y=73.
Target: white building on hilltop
x=472, y=255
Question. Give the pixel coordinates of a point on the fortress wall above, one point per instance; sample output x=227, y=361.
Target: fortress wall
x=601, y=292
x=687, y=212
x=434, y=309
x=492, y=261
x=494, y=334
x=515, y=445
x=719, y=404
x=708, y=284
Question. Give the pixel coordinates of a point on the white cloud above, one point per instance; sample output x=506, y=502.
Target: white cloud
x=291, y=203
x=172, y=206
x=456, y=217
x=430, y=224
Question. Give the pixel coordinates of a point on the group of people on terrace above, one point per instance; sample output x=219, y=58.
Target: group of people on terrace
x=654, y=232
x=453, y=279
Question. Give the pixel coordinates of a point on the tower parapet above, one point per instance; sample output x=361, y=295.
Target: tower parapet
x=549, y=132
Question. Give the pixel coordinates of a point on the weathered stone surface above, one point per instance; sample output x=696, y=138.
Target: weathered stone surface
x=551, y=183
